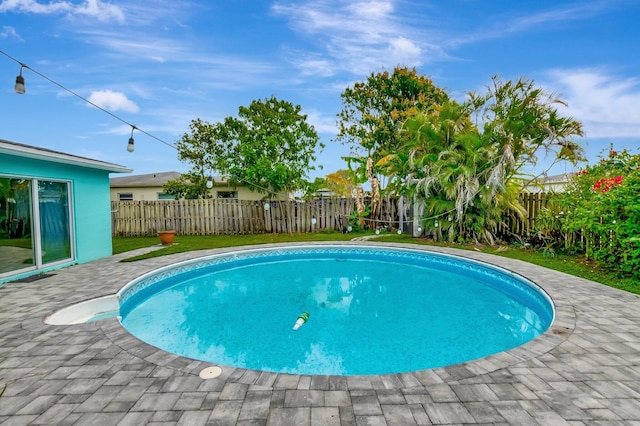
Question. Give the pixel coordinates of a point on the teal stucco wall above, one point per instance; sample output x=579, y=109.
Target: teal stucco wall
x=91, y=208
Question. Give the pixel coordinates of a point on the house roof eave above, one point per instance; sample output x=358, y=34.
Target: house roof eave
x=27, y=151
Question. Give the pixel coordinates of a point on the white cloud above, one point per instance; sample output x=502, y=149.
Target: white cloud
x=136, y=44
x=98, y=9
x=8, y=31
x=117, y=130
x=404, y=51
x=501, y=26
x=316, y=67
x=31, y=6
x=573, y=12
x=322, y=123
x=356, y=37
x=606, y=105
x=104, y=12
x=365, y=36
x=113, y=101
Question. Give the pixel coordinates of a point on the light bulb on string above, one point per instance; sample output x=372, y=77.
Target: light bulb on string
x=19, y=87
x=130, y=146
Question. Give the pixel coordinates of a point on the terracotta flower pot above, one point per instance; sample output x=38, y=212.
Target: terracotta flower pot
x=166, y=237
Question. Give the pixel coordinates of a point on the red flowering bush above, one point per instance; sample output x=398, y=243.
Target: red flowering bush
x=602, y=218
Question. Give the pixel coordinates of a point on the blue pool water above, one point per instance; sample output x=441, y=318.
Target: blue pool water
x=372, y=310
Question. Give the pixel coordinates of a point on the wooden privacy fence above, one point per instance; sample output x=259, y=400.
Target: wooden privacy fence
x=533, y=204
x=230, y=216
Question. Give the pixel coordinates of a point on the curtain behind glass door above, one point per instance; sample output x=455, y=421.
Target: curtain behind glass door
x=55, y=235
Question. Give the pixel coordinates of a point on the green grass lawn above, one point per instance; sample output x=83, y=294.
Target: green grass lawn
x=185, y=243
x=573, y=265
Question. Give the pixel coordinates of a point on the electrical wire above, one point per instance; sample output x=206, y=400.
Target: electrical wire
x=23, y=65
x=133, y=127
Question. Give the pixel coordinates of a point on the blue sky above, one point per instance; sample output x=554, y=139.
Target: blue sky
x=159, y=64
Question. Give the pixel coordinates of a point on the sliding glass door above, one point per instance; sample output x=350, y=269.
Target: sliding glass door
x=16, y=236
x=35, y=223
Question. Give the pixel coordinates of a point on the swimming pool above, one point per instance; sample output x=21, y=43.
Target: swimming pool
x=372, y=310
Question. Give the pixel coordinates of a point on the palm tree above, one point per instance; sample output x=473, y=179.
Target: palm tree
x=469, y=172
x=521, y=121
x=455, y=165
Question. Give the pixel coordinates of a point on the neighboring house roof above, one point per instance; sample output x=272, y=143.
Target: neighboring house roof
x=555, y=182
x=147, y=180
x=561, y=178
x=28, y=151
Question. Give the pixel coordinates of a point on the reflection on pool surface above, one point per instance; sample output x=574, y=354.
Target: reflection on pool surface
x=372, y=310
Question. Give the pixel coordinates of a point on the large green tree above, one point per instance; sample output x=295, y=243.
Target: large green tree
x=269, y=147
x=374, y=110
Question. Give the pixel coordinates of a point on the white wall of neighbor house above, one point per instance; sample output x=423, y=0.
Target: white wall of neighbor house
x=156, y=193
x=135, y=194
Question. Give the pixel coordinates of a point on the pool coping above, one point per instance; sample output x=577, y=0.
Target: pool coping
x=560, y=329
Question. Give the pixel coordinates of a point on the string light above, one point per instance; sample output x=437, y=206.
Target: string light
x=19, y=87
x=20, y=80
x=130, y=146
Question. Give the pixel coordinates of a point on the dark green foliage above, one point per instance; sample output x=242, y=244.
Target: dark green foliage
x=375, y=109
x=189, y=185
x=470, y=172
x=599, y=214
x=269, y=147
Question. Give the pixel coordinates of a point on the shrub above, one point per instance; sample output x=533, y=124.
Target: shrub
x=599, y=214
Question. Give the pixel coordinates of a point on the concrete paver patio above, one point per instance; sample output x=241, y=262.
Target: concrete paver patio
x=585, y=370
